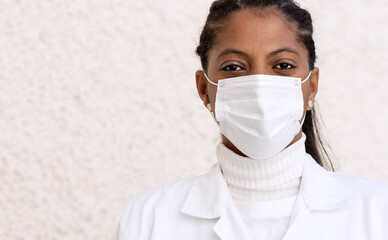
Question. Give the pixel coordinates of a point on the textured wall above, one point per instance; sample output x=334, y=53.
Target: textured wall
x=98, y=103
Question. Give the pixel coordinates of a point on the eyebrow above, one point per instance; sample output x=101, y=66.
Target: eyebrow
x=281, y=50
x=245, y=55
x=232, y=51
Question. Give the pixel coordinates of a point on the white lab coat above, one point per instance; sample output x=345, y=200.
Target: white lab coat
x=329, y=206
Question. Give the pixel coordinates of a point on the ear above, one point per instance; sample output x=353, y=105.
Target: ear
x=202, y=86
x=314, y=80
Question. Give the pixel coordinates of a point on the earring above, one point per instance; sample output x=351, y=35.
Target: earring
x=209, y=107
x=310, y=103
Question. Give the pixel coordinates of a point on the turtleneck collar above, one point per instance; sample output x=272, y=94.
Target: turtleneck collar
x=265, y=179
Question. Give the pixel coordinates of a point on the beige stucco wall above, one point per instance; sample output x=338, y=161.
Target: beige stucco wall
x=98, y=103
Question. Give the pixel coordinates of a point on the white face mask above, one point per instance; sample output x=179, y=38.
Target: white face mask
x=259, y=114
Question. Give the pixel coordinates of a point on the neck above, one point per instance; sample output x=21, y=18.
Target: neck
x=265, y=179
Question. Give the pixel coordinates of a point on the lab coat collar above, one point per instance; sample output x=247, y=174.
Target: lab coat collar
x=209, y=196
x=320, y=189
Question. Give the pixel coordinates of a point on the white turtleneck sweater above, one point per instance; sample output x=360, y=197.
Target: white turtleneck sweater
x=264, y=190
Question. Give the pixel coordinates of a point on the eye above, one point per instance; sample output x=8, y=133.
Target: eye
x=283, y=66
x=232, y=67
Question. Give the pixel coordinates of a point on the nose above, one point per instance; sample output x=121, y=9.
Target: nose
x=259, y=67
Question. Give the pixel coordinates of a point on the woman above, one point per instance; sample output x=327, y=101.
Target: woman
x=259, y=82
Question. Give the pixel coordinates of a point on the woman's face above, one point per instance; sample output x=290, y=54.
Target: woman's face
x=257, y=42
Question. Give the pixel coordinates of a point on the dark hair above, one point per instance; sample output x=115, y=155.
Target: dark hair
x=222, y=10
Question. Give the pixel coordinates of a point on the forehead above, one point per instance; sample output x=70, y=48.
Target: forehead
x=257, y=30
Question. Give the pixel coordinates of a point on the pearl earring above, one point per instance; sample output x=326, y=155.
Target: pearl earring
x=209, y=107
x=310, y=103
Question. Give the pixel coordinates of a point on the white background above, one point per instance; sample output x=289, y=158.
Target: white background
x=98, y=103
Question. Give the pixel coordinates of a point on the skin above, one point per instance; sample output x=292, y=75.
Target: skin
x=257, y=41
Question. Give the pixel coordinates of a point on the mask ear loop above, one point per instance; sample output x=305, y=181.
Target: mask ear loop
x=304, y=117
x=215, y=84
x=307, y=78
x=207, y=78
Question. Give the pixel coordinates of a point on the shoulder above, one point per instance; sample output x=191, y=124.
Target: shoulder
x=367, y=189
x=163, y=194
x=369, y=203
x=156, y=195
x=137, y=219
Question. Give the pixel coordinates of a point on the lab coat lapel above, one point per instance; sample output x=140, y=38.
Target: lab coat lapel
x=209, y=198
x=230, y=226
x=299, y=220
